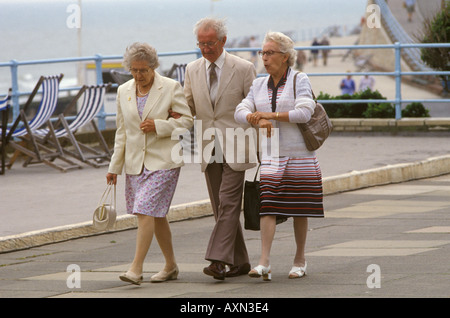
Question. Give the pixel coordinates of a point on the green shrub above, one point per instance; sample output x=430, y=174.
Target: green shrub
x=358, y=110
x=437, y=30
x=415, y=110
x=383, y=110
x=368, y=110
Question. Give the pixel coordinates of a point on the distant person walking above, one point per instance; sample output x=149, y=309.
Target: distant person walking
x=254, y=43
x=410, y=6
x=348, y=85
x=367, y=82
x=315, y=52
x=301, y=60
x=325, y=52
x=142, y=149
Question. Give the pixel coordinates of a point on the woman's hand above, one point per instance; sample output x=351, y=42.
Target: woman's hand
x=262, y=119
x=255, y=117
x=147, y=126
x=111, y=178
x=266, y=124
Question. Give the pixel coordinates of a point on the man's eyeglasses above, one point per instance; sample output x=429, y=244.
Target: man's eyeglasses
x=208, y=44
x=135, y=71
x=268, y=53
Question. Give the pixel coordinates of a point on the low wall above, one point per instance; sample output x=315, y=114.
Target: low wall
x=390, y=125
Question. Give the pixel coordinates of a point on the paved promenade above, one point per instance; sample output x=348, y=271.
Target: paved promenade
x=386, y=241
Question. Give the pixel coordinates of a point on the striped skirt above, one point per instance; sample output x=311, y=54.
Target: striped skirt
x=291, y=187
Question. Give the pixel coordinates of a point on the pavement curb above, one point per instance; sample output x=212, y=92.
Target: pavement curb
x=430, y=167
x=403, y=172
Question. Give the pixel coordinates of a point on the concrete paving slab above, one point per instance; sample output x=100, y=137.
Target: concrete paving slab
x=402, y=190
x=391, y=244
x=369, y=210
x=364, y=252
x=412, y=253
x=433, y=229
x=382, y=203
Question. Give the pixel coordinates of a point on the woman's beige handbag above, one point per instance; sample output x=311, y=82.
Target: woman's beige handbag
x=105, y=214
x=318, y=128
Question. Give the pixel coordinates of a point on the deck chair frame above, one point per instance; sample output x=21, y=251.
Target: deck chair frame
x=120, y=77
x=92, y=99
x=4, y=112
x=29, y=145
x=179, y=70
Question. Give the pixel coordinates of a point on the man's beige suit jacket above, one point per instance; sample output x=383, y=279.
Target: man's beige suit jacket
x=236, y=79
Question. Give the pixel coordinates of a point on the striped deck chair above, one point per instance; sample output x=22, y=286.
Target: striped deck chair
x=181, y=71
x=92, y=98
x=120, y=77
x=4, y=112
x=178, y=71
x=22, y=128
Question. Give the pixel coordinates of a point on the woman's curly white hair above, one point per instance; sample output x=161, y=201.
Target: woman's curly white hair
x=140, y=52
x=285, y=43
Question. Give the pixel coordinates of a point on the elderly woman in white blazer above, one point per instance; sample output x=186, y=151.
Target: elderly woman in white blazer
x=290, y=177
x=143, y=150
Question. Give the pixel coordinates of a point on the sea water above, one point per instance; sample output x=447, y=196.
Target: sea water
x=45, y=29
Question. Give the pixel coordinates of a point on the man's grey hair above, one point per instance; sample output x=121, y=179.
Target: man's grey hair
x=216, y=24
x=286, y=44
x=140, y=52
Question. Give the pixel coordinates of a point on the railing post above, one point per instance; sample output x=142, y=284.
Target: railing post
x=99, y=71
x=15, y=89
x=199, y=53
x=398, y=82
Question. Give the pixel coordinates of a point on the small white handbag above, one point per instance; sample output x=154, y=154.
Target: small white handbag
x=105, y=214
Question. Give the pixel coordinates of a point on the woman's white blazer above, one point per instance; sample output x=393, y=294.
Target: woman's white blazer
x=134, y=149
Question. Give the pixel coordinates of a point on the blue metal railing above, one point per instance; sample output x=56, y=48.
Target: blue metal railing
x=397, y=73
x=398, y=34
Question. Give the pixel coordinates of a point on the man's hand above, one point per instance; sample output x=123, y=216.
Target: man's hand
x=173, y=114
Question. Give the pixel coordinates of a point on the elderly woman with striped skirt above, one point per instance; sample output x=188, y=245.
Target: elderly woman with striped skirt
x=290, y=181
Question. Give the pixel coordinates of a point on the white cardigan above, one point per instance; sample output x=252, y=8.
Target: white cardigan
x=291, y=142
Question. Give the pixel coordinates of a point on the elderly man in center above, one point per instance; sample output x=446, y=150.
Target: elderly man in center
x=214, y=85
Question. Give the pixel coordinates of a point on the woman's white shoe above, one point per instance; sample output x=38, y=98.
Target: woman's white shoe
x=163, y=276
x=263, y=271
x=131, y=277
x=297, y=272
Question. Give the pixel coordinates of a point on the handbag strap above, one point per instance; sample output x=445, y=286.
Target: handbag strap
x=107, y=192
x=114, y=196
x=256, y=173
x=295, y=93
